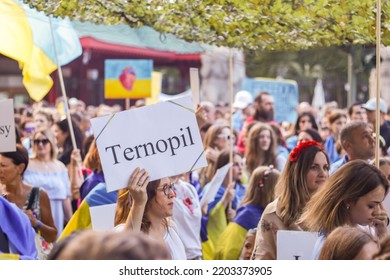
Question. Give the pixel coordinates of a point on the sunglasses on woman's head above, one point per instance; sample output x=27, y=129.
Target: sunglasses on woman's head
x=43, y=141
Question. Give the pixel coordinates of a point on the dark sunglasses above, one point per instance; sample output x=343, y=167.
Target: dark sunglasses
x=43, y=141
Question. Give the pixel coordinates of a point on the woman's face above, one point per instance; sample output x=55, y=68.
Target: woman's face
x=304, y=136
x=222, y=140
x=41, y=144
x=41, y=122
x=318, y=172
x=247, y=249
x=237, y=167
x=305, y=123
x=367, y=251
x=366, y=208
x=338, y=125
x=60, y=136
x=265, y=140
x=9, y=171
x=162, y=204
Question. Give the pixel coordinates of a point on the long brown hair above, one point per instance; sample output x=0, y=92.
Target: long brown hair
x=254, y=155
x=261, y=187
x=291, y=189
x=328, y=209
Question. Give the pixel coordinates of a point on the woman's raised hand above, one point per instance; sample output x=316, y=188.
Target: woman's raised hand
x=381, y=221
x=137, y=185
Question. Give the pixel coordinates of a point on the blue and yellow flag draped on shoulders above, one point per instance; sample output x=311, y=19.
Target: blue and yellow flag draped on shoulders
x=232, y=238
x=26, y=36
x=81, y=219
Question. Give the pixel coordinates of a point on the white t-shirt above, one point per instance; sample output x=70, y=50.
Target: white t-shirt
x=187, y=218
x=174, y=244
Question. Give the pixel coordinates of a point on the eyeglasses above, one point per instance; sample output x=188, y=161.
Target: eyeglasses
x=43, y=141
x=226, y=136
x=168, y=189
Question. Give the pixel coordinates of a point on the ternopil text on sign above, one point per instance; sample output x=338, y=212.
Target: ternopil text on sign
x=169, y=145
x=163, y=139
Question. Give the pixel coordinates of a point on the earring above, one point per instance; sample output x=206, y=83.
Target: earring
x=348, y=207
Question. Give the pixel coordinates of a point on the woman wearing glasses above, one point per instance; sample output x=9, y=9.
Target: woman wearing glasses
x=147, y=207
x=44, y=170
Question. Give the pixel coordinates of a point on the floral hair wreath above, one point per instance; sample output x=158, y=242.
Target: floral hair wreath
x=294, y=155
x=265, y=176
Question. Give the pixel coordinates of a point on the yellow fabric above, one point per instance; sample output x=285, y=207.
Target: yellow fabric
x=230, y=242
x=81, y=219
x=156, y=88
x=17, y=43
x=208, y=250
x=9, y=257
x=215, y=226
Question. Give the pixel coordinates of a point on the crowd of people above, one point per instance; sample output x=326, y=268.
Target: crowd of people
x=317, y=175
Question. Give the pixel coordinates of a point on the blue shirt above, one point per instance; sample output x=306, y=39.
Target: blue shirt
x=336, y=165
x=330, y=147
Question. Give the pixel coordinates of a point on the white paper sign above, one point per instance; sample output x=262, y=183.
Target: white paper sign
x=295, y=245
x=162, y=138
x=7, y=126
x=194, y=81
x=102, y=217
x=210, y=190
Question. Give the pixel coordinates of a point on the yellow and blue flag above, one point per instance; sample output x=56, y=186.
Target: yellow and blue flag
x=26, y=36
x=81, y=219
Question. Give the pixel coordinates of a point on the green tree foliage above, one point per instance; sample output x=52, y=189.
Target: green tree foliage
x=251, y=24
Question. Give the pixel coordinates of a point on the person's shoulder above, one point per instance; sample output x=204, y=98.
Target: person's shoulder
x=271, y=207
x=59, y=166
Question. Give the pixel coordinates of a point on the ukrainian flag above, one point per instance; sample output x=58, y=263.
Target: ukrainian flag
x=26, y=36
x=232, y=239
x=81, y=219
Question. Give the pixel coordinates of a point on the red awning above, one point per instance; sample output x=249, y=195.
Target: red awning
x=109, y=48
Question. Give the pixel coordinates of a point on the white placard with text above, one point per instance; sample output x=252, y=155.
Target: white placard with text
x=7, y=126
x=295, y=245
x=162, y=138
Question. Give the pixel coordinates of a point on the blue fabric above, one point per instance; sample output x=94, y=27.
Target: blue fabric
x=291, y=142
x=282, y=151
x=238, y=120
x=240, y=192
x=99, y=196
x=336, y=165
x=90, y=182
x=248, y=216
x=17, y=226
x=330, y=147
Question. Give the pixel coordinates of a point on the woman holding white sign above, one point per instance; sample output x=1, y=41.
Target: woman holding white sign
x=147, y=208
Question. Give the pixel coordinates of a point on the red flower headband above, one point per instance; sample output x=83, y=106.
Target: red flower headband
x=294, y=155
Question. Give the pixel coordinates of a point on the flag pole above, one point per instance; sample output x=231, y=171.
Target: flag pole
x=63, y=91
x=378, y=84
x=231, y=110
